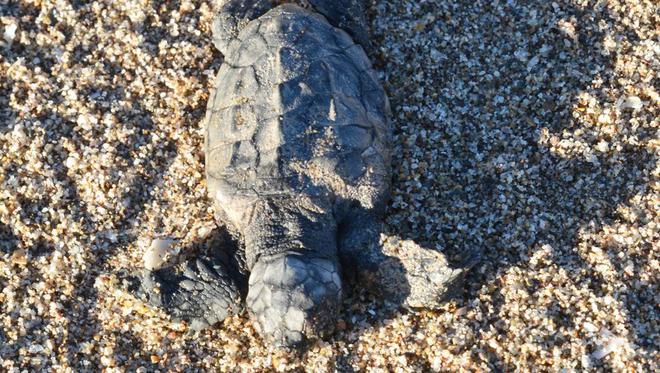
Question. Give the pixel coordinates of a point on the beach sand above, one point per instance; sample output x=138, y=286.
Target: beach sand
x=527, y=130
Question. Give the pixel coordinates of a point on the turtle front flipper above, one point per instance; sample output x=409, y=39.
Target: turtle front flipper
x=348, y=15
x=400, y=271
x=201, y=291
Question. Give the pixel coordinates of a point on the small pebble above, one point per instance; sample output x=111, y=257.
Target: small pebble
x=35, y=349
x=19, y=257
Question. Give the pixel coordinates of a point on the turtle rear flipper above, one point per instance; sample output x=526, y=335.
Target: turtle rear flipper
x=294, y=297
x=201, y=292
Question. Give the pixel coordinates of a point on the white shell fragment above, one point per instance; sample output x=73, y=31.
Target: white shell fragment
x=589, y=327
x=609, y=347
x=205, y=231
x=160, y=254
x=608, y=344
x=10, y=33
x=631, y=103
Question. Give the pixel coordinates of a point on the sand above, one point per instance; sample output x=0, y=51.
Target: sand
x=525, y=129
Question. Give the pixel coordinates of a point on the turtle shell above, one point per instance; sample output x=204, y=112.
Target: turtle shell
x=297, y=111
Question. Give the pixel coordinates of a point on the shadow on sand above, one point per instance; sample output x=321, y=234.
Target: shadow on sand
x=564, y=194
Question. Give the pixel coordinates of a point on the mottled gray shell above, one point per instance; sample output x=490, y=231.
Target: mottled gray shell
x=297, y=111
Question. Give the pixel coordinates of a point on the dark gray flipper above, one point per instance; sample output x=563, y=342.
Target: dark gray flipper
x=403, y=273
x=360, y=253
x=294, y=297
x=348, y=15
x=202, y=291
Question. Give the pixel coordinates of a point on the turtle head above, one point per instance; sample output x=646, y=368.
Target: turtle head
x=294, y=298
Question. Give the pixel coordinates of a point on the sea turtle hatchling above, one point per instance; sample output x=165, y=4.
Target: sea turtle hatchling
x=298, y=166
